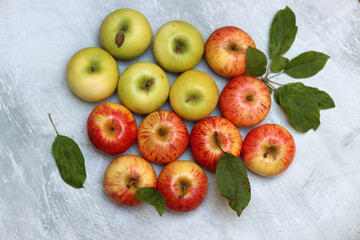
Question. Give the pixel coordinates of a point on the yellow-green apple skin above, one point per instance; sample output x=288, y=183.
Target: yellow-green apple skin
x=162, y=137
x=225, y=51
x=178, y=46
x=143, y=87
x=111, y=128
x=211, y=133
x=124, y=175
x=183, y=184
x=268, y=150
x=245, y=101
x=193, y=95
x=92, y=74
x=125, y=34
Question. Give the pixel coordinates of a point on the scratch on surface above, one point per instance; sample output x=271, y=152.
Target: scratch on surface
x=350, y=138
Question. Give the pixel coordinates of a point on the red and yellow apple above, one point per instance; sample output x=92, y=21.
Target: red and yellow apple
x=92, y=74
x=111, y=128
x=268, y=150
x=210, y=133
x=125, y=34
x=162, y=137
x=124, y=175
x=193, y=95
x=225, y=51
x=183, y=184
x=178, y=46
x=245, y=101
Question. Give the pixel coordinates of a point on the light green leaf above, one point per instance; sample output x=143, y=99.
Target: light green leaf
x=278, y=64
x=153, y=197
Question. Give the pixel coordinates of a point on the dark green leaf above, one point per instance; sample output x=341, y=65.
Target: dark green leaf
x=302, y=109
x=255, y=62
x=306, y=64
x=282, y=33
x=270, y=89
x=278, y=64
x=69, y=160
x=323, y=99
x=152, y=196
x=232, y=182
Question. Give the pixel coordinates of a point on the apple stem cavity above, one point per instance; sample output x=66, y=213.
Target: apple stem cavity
x=119, y=39
x=190, y=98
x=162, y=132
x=184, y=190
x=53, y=124
x=179, y=46
x=148, y=84
x=131, y=183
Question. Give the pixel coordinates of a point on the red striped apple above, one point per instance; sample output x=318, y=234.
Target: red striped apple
x=225, y=51
x=124, y=175
x=111, y=128
x=268, y=150
x=162, y=137
x=245, y=101
x=183, y=184
x=210, y=133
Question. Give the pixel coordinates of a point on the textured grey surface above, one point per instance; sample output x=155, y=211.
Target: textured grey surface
x=316, y=198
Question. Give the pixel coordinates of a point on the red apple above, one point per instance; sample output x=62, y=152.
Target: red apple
x=245, y=101
x=225, y=51
x=183, y=184
x=111, y=128
x=124, y=175
x=268, y=150
x=210, y=132
x=162, y=137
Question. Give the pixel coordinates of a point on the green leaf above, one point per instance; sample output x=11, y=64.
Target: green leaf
x=278, y=64
x=323, y=99
x=306, y=64
x=69, y=160
x=255, y=62
x=153, y=197
x=232, y=182
x=282, y=33
x=269, y=88
x=302, y=109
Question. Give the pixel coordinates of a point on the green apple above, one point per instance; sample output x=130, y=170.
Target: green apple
x=143, y=87
x=92, y=74
x=193, y=95
x=125, y=34
x=178, y=46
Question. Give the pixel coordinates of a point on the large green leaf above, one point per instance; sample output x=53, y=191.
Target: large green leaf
x=152, y=196
x=278, y=64
x=306, y=64
x=283, y=32
x=232, y=182
x=255, y=62
x=69, y=160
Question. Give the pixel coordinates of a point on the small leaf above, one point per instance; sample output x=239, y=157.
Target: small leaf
x=278, y=64
x=153, y=197
x=282, y=33
x=306, y=64
x=232, y=182
x=255, y=62
x=302, y=109
x=69, y=160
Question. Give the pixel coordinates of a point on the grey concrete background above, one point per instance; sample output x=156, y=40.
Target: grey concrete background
x=316, y=198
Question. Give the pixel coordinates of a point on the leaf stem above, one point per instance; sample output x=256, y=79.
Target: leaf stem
x=276, y=83
x=53, y=124
x=275, y=75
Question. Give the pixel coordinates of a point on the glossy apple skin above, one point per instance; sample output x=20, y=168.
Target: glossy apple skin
x=207, y=134
x=92, y=74
x=118, y=175
x=136, y=29
x=165, y=49
x=183, y=173
x=133, y=92
x=111, y=128
x=268, y=150
x=162, y=137
x=245, y=101
x=225, y=51
x=193, y=83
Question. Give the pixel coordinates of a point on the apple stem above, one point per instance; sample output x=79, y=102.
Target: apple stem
x=183, y=190
x=119, y=39
x=131, y=183
x=53, y=124
x=190, y=98
x=217, y=141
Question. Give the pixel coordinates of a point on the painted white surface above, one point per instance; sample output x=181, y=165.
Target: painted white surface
x=318, y=197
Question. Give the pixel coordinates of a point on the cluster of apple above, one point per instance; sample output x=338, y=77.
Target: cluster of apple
x=162, y=136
